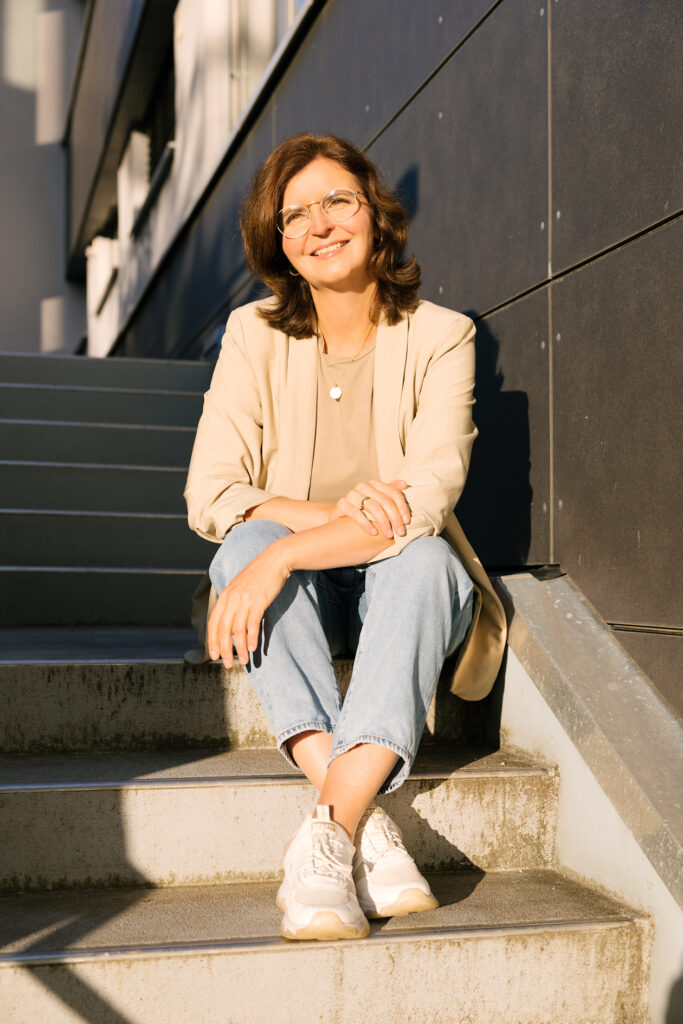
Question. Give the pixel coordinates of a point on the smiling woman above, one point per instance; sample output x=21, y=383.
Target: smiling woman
x=334, y=252
x=333, y=506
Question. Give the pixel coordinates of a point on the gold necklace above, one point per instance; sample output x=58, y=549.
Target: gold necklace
x=335, y=390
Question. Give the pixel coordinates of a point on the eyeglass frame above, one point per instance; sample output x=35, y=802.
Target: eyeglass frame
x=333, y=191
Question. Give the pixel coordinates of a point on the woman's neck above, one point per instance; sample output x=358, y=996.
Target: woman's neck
x=343, y=321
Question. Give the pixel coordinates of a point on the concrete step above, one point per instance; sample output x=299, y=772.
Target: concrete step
x=55, y=646
x=127, y=819
x=118, y=444
x=43, y=485
x=502, y=948
x=82, y=371
x=101, y=539
x=119, y=689
x=77, y=596
x=100, y=405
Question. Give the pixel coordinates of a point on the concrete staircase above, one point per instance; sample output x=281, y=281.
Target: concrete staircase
x=93, y=457
x=143, y=812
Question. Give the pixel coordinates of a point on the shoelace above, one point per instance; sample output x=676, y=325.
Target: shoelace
x=325, y=856
x=383, y=835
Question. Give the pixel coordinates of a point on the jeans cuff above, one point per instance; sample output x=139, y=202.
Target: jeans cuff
x=294, y=730
x=398, y=774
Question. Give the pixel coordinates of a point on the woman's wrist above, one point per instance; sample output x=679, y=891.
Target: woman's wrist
x=295, y=514
x=337, y=543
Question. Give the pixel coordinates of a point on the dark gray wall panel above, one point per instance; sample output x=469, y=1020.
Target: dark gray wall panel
x=363, y=60
x=504, y=509
x=110, y=40
x=470, y=154
x=192, y=294
x=617, y=97
x=617, y=399
x=660, y=656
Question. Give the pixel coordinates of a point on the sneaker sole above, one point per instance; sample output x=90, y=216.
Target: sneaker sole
x=410, y=901
x=324, y=926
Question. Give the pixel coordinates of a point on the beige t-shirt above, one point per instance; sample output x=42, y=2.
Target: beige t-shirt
x=345, y=450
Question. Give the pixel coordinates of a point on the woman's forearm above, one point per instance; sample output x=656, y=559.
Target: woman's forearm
x=337, y=543
x=295, y=515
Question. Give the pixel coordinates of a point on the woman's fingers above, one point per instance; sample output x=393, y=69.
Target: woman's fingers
x=375, y=505
x=387, y=505
x=354, y=512
x=236, y=619
x=228, y=628
x=239, y=636
x=212, y=629
x=253, y=626
x=403, y=506
x=384, y=507
x=219, y=633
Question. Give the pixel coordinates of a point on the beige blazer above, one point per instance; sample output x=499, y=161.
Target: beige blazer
x=257, y=431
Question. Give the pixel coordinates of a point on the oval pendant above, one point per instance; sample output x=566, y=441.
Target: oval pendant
x=335, y=393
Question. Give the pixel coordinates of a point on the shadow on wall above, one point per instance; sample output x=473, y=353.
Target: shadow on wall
x=495, y=507
x=674, y=1013
x=407, y=191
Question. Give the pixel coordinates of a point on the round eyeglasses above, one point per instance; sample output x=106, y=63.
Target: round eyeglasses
x=338, y=206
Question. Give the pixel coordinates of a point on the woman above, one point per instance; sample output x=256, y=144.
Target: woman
x=333, y=446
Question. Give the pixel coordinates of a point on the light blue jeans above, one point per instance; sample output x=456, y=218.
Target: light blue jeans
x=401, y=617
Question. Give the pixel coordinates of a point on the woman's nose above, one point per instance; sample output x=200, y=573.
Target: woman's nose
x=320, y=225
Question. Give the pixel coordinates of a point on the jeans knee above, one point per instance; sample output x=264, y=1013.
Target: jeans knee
x=427, y=564
x=428, y=554
x=242, y=544
x=423, y=558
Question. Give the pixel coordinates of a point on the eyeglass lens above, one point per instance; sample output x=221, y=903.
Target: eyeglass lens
x=338, y=206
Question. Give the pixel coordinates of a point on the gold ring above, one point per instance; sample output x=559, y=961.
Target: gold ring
x=362, y=503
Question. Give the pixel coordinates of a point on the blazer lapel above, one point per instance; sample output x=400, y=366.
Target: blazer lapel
x=390, y=362
x=297, y=427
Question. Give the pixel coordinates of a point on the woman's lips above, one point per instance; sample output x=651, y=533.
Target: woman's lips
x=330, y=249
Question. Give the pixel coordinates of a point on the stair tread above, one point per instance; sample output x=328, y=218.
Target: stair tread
x=26, y=358
x=96, y=425
x=45, y=645
x=188, y=767
x=17, y=386
x=81, y=466
x=101, y=922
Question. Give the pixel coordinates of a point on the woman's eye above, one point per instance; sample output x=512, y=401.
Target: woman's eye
x=338, y=202
x=293, y=217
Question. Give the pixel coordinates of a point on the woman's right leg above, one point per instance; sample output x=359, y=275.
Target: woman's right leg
x=292, y=674
x=291, y=670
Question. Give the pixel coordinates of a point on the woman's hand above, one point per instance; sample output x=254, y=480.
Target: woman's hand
x=241, y=607
x=385, y=506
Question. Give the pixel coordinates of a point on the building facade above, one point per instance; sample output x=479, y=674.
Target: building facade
x=42, y=311
x=538, y=150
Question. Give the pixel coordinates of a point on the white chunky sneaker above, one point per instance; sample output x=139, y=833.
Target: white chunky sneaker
x=317, y=896
x=388, y=883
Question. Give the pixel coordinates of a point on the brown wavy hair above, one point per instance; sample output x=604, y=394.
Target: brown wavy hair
x=293, y=311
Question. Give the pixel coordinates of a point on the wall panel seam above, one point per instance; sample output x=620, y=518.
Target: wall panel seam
x=432, y=74
x=551, y=404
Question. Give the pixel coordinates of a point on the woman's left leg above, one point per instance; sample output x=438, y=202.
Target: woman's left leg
x=415, y=611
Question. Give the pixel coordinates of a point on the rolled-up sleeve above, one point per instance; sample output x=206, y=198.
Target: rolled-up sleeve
x=226, y=473
x=438, y=441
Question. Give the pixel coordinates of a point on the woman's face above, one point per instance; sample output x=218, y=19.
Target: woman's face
x=329, y=256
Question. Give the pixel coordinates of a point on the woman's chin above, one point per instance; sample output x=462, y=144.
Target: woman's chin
x=342, y=281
